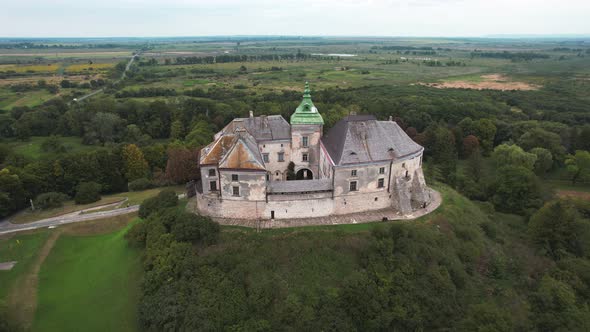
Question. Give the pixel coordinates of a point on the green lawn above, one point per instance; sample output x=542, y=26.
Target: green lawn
x=32, y=148
x=20, y=248
x=89, y=283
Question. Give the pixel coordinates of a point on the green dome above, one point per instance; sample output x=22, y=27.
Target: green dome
x=306, y=113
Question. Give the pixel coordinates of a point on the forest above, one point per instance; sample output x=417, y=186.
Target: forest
x=509, y=250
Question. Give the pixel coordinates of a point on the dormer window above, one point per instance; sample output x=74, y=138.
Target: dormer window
x=353, y=153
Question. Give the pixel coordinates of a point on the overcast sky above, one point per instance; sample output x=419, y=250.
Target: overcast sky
x=115, y=18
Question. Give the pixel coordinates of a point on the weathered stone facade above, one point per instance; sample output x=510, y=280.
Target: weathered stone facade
x=361, y=165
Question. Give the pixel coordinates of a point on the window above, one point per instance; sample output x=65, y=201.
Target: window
x=236, y=190
x=234, y=177
x=212, y=172
x=281, y=156
x=381, y=183
x=265, y=157
x=382, y=170
x=213, y=185
x=403, y=165
x=353, y=186
x=305, y=141
x=353, y=172
x=305, y=157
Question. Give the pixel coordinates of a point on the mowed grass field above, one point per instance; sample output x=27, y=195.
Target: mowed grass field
x=23, y=249
x=89, y=283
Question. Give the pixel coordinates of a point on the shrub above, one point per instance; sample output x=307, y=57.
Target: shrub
x=166, y=198
x=140, y=184
x=87, y=192
x=50, y=200
x=189, y=227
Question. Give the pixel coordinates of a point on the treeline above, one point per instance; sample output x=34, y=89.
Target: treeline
x=513, y=56
x=78, y=175
x=30, y=45
x=226, y=58
x=146, y=92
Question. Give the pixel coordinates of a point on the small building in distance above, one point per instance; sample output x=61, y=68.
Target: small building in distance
x=361, y=164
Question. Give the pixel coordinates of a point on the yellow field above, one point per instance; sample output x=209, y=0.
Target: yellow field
x=89, y=67
x=30, y=68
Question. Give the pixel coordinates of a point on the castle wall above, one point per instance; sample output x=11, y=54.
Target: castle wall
x=252, y=185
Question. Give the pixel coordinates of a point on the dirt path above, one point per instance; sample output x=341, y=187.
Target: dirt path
x=22, y=299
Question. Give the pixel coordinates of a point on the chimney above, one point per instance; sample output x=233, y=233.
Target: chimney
x=251, y=114
x=390, y=118
x=263, y=121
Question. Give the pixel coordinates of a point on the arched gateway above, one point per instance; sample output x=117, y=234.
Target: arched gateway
x=304, y=174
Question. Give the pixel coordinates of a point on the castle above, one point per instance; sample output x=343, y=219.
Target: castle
x=361, y=164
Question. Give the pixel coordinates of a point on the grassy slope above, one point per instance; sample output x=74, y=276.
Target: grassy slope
x=89, y=282
x=20, y=248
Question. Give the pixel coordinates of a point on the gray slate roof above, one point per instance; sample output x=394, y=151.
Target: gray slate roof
x=299, y=186
x=362, y=139
x=262, y=128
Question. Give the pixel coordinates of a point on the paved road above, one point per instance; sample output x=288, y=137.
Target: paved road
x=8, y=227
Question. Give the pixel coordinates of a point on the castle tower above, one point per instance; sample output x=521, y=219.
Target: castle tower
x=306, y=131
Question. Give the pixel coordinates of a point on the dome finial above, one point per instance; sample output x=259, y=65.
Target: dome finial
x=306, y=93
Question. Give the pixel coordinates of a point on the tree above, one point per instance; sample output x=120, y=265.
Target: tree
x=200, y=135
x=12, y=193
x=554, y=308
x=50, y=200
x=87, y=192
x=486, y=317
x=470, y=144
x=134, y=135
x=516, y=189
x=189, y=227
x=513, y=155
x=164, y=199
x=540, y=138
x=558, y=230
x=136, y=166
x=578, y=166
x=544, y=160
x=103, y=128
x=291, y=171
x=182, y=165
x=140, y=184
x=53, y=144
x=485, y=129
x=441, y=146
x=177, y=130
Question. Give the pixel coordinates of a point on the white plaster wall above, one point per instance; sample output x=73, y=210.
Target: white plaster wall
x=252, y=185
x=205, y=178
x=367, y=179
x=273, y=166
